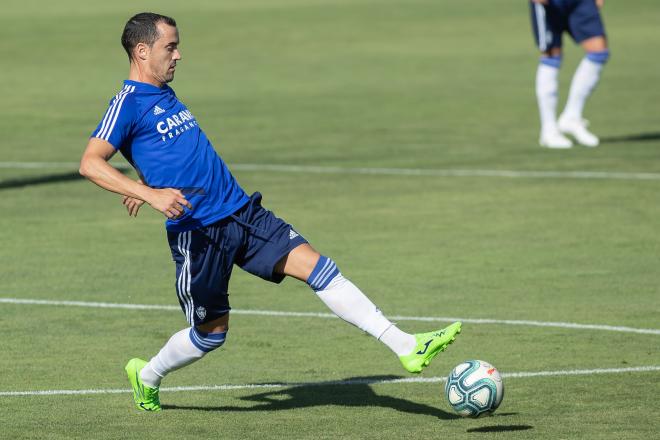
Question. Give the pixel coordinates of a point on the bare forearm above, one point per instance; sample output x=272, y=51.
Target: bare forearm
x=99, y=171
x=94, y=165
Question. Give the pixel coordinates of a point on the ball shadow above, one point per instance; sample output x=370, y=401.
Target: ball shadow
x=501, y=428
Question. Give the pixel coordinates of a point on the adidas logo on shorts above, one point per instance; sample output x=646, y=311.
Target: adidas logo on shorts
x=158, y=111
x=293, y=234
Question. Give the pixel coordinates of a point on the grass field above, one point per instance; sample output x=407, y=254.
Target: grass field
x=436, y=86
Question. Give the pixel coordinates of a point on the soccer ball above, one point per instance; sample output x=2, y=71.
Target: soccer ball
x=474, y=388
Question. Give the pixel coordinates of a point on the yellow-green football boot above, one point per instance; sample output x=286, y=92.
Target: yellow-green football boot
x=428, y=346
x=146, y=398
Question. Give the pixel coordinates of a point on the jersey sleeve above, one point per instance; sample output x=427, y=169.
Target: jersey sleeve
x=119, y=120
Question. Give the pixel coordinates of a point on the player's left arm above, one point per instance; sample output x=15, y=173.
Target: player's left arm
x=132, y=204
x=600, y=3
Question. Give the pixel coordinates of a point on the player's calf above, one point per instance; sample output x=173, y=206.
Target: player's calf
x=350, y=304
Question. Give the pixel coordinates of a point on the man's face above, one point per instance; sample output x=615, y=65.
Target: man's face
x=164, y=53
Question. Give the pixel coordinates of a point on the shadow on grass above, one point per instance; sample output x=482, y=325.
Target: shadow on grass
x=45, y=180
x=39, y=180
x=357, y=393
x=641, y=137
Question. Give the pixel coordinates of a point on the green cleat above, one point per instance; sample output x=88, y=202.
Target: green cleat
x=428, y=346
x=146, y=398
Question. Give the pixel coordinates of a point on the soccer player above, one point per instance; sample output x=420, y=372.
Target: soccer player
x=582, y=20
x=211, y=223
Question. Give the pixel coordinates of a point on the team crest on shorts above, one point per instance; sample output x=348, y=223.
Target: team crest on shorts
x=201, y=312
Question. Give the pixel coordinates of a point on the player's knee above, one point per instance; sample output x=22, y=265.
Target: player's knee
x=323, y=274
x=551, y=60
x=599, y=57
x=207, y=342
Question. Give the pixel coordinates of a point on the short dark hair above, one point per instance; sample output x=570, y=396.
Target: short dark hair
x=141, y=28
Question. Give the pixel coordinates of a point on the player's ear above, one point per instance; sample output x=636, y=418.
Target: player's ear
x=141, y=51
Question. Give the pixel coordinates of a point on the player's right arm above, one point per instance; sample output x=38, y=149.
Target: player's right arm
x=95, y=167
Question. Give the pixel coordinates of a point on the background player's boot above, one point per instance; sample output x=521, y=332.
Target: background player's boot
x=428, y=346
x=146, y=398
x=554, y=139
x=578, y=129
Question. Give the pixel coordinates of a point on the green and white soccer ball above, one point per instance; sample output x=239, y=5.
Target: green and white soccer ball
x=474, y=388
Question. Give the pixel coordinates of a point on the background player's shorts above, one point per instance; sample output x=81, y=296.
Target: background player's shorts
x=252, y=238
x=580, y=18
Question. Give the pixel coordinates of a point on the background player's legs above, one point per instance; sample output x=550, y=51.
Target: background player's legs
x=584, y=82
x=343, y=297
x=548, y=24
x=547, y=96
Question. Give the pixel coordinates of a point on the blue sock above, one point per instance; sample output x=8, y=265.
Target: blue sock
x=207, y=342
x=599, y=57
x=324, y=272
x=551, y=61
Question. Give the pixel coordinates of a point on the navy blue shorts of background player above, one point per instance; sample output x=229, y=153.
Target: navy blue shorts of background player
x=252, y=238
x=580, y=18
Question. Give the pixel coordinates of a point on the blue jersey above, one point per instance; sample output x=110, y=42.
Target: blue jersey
x=159, y=136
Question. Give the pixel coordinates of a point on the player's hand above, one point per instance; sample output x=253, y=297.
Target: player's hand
x=132, y=205
x=169, y=201
x=600, y=3
x=543, y=2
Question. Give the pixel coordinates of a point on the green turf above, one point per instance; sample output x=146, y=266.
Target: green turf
x=400, y=84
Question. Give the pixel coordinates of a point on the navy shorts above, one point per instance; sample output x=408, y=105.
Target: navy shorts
x=252, y=238
x=580, y=18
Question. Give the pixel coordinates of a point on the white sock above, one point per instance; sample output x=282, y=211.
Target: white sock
x=399, y=342
x=584, y=82
x=547, y=91
x=178, y=352
x=350, y=304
